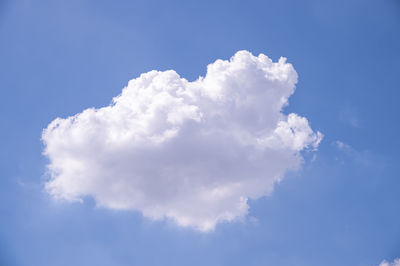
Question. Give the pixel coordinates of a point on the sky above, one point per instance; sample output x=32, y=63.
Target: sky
x=260, y=161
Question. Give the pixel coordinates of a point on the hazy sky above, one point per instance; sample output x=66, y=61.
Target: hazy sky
x=260, y=161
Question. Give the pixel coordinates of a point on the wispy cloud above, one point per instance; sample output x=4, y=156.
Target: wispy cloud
x=396, y=262
x=361, y=157
x=350, y=116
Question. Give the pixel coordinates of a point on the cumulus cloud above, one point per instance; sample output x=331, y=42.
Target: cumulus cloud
x=193, y=152
x=396, y=262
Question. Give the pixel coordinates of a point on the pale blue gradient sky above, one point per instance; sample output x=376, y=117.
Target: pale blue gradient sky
x=60, y=57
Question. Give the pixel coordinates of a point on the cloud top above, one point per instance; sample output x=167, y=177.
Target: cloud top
x=193, y=152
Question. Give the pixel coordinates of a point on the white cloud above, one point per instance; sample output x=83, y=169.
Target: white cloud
x=193, y=152
x=396, y=262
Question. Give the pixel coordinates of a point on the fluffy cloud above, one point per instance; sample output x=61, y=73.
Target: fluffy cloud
x=193, y=152
x=396, y=262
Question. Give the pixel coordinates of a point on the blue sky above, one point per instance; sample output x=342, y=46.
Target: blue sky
x=58, y=58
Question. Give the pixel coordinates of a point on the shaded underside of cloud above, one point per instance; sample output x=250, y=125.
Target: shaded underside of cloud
x=193, y=152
